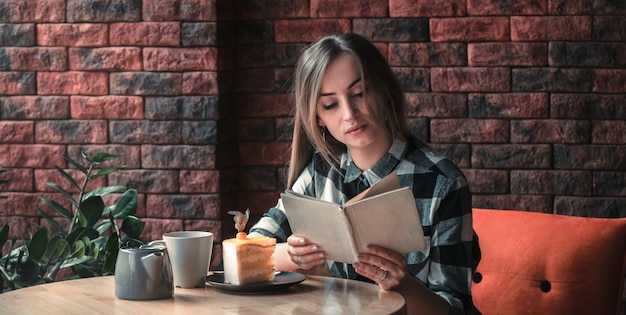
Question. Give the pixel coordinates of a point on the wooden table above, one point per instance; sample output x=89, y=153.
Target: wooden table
x=316, y=295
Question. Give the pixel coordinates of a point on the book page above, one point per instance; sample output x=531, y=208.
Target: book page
x=389, y=220
x=387, y=183
x=322, y=223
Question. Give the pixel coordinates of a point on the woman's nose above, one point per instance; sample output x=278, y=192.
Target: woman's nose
x=351, y=110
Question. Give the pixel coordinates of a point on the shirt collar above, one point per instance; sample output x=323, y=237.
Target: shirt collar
x=382, y=168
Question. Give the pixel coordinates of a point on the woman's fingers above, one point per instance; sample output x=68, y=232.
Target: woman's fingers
x=303, y=254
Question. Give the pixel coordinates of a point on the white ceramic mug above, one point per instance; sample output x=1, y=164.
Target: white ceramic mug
x=190, y=254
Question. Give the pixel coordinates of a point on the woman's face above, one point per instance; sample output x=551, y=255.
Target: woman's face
x=342, y=109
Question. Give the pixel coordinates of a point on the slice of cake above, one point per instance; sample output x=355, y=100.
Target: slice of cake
x=247, y=259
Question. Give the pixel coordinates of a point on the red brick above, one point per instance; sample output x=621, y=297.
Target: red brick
x=177, y=157
x=427, y=54
x=258, y=178
x=340, y=8
x=458, y=153
x=269, y=55
x=256, y=129
x=272, y=9
x=189, y=34
x=71, y=131
x=550, y=79
x=17, y=83
x=392, y=29
x=200, y=83
x=547, y=28
x=503, y=156
x=254, y=80
x=469, y=130
x=145, y=34
x=497, y=7
x=400, y=8
x=570, y=7
x=588, y=106
x=113, y=58
x=177, y=59
x=470, y=79
x=145, y=83
x=487, y=181
x=32, y=155
x=609, y=184
x=263, y=105
x=534, y=203
x=550, y=131
x=469, y=29
x=308, y=30
x=436, y=105
x=257, y=202
x=20, y=227
x=75, y=35
x=127, y=155
x=17, y=34
x=551, y=182
x=34, y=107
x=155, y=228
x=608, y=132
x=17, y=179
x=35, y=58
x=599, y=207
x=16, y=131
x=177, y=10
x=147, y=181
x=413, y=79
x=23, y=203
x=107, y=107
x=24, y=11
x=103, y=11
x=53, y=176
x=199, y=181
x=72, y=82
x=609, y=28
x=509, y=105
x=609, y=80
x=213, y=226
x=264, y=153
x=590, y=157
x=186, y=206
x=145, y=132
x=507, y=54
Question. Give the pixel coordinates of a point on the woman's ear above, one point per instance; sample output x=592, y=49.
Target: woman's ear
x=320, y=122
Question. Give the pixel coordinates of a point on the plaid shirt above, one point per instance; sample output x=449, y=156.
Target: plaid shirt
x=443, y=201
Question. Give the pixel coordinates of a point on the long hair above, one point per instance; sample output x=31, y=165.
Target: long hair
x=379, y=85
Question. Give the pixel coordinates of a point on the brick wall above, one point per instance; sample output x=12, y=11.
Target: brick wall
x=527, y=97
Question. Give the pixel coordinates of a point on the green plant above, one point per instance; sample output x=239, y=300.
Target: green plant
x=90, y=244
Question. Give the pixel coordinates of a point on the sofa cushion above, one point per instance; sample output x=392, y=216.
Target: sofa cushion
x=537, y=263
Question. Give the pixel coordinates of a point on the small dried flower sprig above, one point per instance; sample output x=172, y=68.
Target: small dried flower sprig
x=240, y=222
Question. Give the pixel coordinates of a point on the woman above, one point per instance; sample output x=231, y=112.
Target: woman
x=349, y=132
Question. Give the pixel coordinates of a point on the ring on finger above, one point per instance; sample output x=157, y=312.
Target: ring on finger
x=384, y=275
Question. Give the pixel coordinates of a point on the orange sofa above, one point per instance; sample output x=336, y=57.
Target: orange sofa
x=537, y=263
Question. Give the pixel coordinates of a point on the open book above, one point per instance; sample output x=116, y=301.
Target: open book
x=385, y=215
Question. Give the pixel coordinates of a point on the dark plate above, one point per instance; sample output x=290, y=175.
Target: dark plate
x=282, y=281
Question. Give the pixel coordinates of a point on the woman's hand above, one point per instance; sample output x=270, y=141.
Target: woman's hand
x=303, y=253
x=386, y=267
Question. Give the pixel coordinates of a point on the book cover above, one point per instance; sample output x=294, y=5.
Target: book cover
x=384, y=214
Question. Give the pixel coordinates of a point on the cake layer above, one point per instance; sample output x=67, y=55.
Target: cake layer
x=248, y=260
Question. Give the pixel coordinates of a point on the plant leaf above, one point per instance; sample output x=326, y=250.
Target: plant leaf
x=52, y=221
x=104, y=191
x=67, y=176
x=109, y=262
x=92, y=209
x=4, y=236
x=132, y=226
x=112, y=244
x=67, y=195
x=81, y=232
x=105, y=171
x=126, y=205
x=57, y=207
x=38, y=243
x=78, y=249
x=101, y=157
x=76, y=165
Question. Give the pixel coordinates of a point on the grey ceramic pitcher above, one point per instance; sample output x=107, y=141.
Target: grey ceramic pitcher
x=143, y=273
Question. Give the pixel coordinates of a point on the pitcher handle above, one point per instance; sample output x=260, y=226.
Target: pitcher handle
x=157, y=243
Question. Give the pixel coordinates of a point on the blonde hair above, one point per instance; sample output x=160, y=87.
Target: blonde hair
x=379, y=84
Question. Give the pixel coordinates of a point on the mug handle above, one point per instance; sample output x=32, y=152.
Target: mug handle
x=160, y=243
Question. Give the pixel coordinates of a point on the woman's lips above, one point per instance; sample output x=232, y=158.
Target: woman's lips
x=356, y=129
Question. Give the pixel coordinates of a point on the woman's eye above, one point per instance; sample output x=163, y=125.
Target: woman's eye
x=329, y=106
x=360, y=94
